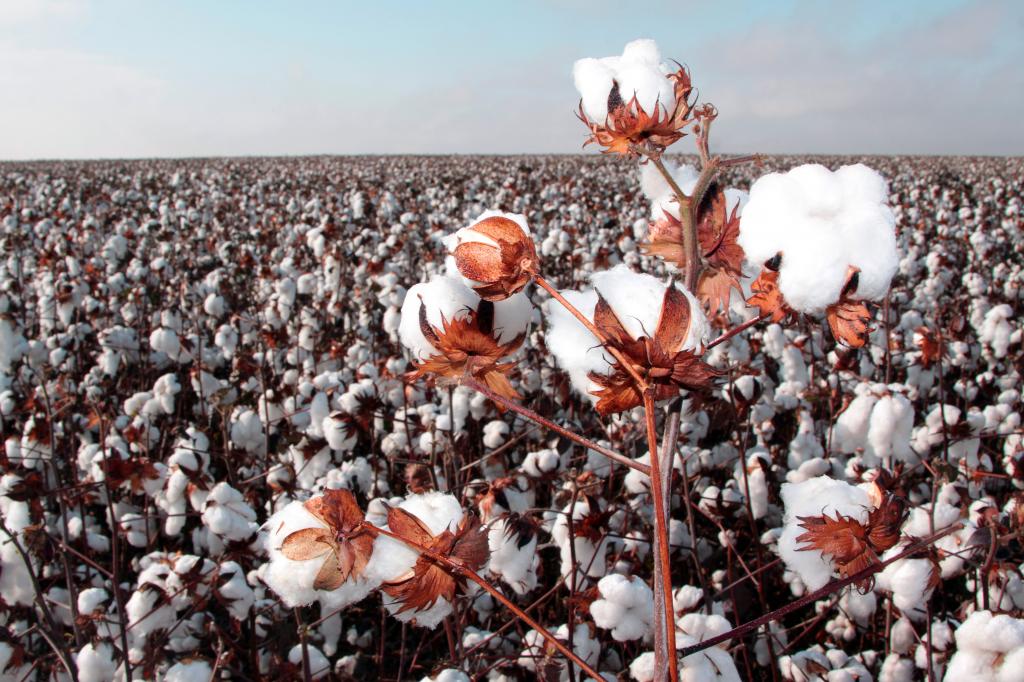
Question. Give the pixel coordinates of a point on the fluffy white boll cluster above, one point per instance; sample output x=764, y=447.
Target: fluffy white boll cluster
x=636, y=299
x=638, y=72
x=448, y=298
x=815, y=497
x=626, y=607
x=990, y=648
x=823, y=223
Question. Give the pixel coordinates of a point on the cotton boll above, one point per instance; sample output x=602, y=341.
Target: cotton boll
x=639, y=72
x=319, y=666
x=815, y=497
x=96, y=663
x=889, y=433
x=392, y=558
x=909, y=581
x=989, y=648
x=823, y=224
x=637, y=300
x=445, y=298
x=293, y=580
x=227, y=514
x=514, y=562
x=625, y=607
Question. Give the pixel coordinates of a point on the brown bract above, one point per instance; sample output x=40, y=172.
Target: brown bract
x=848, y=318
x=844, y=539
x=656, y=358
x=628, y=124
x=344, y=544
x=501, y=270
x=467, y=347
x=718, y=231
x=767, y=298
x=852, y=545
x=930, y=344
x=430, y=580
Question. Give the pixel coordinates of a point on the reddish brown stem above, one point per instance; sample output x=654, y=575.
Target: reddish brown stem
x=641, y=384
x=814, y=596
x=665, y=635
x=465, y=572
x=547, y=423
x=739, y=329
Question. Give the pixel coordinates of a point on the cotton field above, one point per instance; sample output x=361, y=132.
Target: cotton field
x=231, y=451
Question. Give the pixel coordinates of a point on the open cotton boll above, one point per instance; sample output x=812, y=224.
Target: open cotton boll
x=293, y=580
x=227, y=514
x=393, y=558
x=990, y=648
x=637, y=299
x=516, y=565
x=319, y=665
x=639, y=72
x=815, y=497
x=909, y=581
x=626, y=607
x=823, y=223
x=890, y=431
x=448, y=298
x=445, y=298
x=96, y=663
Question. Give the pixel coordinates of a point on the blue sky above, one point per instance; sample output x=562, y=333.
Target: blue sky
x=117, y=78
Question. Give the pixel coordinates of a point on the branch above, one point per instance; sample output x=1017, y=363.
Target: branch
x=825, y=591
x=547, y=423
x=665, y=635
x=464, y=571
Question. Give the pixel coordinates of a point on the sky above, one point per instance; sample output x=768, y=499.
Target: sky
x=128, y=79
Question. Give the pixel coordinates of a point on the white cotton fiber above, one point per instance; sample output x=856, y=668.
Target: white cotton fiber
x=639, y=72
x=823, y=223
x=626, y=607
